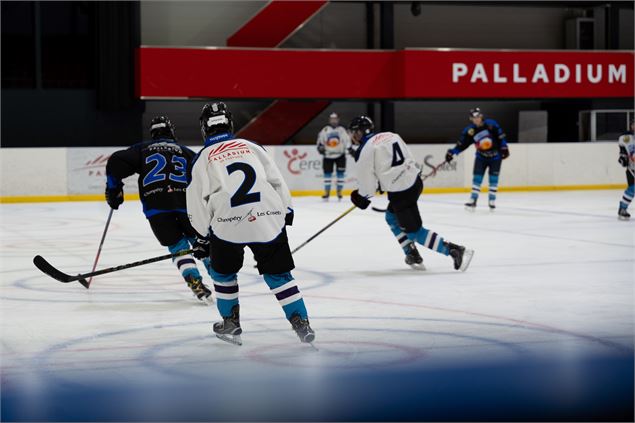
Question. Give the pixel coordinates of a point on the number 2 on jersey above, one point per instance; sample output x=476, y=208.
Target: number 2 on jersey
x=242, y=194
x=397, y=155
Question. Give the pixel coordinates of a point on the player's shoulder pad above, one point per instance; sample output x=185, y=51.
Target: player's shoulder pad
x=252, y=142
x=491, y=122
x=469, y=129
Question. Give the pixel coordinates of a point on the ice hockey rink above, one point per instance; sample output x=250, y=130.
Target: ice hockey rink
x=539, y=327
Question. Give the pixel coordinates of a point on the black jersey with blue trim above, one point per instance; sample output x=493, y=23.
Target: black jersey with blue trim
x=488, y=139
x=162, y=166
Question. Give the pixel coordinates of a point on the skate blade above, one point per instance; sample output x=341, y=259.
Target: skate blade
x=623, y=218
x=313, y=346
x=467, y=259
x=419, y=267
x=470, y=209
x=232, y=339
x=492, y=209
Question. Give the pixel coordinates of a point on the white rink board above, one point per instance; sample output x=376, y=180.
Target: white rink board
x=68, y=171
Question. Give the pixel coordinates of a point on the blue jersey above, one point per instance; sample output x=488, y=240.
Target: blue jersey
x=488, y=139
x=162, y=166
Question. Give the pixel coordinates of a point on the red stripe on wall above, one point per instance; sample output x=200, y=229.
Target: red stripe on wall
x=274, y=23
x=409, y=74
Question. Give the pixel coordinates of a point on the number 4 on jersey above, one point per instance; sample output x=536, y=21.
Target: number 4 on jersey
x=397, y=155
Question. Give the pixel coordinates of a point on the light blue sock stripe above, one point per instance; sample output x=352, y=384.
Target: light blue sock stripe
x=225, y=306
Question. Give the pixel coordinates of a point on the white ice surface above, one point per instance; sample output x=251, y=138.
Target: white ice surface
x=552, y=276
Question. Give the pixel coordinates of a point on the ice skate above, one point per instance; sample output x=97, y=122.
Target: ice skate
x=623, y=214
x=461, y=256
x=325, y=197
x=229, y=329
x=339, y=195
x=413, y=258
x=198, y=288
x=471, y=205
x=302, y=328
x=492, y=205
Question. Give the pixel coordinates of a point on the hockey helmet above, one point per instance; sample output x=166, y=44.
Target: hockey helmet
x=362, y=123
x=476, y=112
x=215, y=119
x=334, y=119
x=161, y=127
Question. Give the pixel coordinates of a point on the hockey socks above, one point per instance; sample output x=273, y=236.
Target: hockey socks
x=430, y=240
x=186, y=263
x=476, y=186
x=226, y=289
x=340, y=181
x=400, y=235
x=327, y=183
x=629, y=193
x=287, y=293
x=493, y=187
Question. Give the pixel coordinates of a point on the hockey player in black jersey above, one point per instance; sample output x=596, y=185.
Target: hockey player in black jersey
x=491, y=148
x=385, y=158
x=162, y=165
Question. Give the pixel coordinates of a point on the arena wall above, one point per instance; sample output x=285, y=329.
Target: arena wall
x=61, y=174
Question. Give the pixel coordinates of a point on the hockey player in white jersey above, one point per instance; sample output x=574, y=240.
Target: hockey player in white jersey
x=384, y=159
x=626, y=143
x=333, y=142
x=237, y=198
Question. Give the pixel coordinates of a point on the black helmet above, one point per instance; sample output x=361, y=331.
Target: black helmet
x=215, y=119
x=161, y=127
x=362, y=123
x=476, y=112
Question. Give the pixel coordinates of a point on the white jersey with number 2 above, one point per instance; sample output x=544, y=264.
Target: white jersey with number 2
x=238, y=192
x=385, y=159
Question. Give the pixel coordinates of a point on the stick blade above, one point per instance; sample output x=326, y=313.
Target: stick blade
x=48, y=269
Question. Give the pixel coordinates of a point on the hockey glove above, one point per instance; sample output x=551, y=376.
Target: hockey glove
x=504, y=152
x=623, y=160
x=321, y=149
x=201, y=248
x=114, y=197
x=449, y=156
x=288, y=218
x=359, y=201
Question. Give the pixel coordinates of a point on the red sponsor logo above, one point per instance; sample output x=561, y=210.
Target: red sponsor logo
x=227, y=150
x=96, y=166
x=294, y=156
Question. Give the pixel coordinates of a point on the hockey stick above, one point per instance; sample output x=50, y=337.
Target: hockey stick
x=324, y=228
x=47, y=268
x=101, y=244
x=423, y=178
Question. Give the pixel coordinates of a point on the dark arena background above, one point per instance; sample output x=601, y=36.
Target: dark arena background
x=538, y=328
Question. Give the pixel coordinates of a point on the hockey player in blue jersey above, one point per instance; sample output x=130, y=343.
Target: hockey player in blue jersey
x=491, y=148
x=626, y=143
x=384, y=159
x=162, y=165
x=237, y=198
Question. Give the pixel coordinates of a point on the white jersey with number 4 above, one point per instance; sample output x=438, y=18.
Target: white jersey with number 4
x=385, y=158
x=238, y=192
